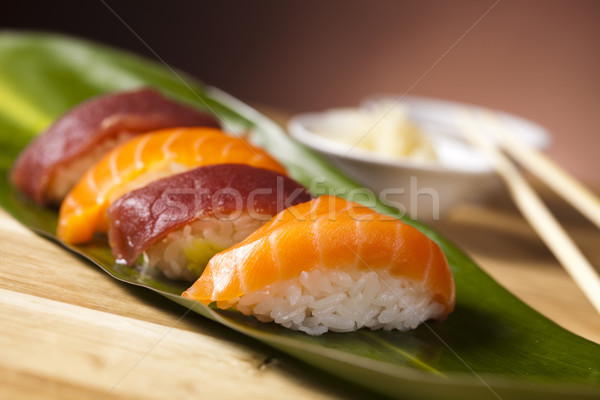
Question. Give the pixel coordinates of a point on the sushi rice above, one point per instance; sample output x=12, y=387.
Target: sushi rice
x=183, y=253
x=341, y=300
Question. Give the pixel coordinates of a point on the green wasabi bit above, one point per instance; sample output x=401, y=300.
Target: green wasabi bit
x=199, y=253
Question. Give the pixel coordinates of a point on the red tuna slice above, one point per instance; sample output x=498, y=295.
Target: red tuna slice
x=51, y=165
x=221, y=192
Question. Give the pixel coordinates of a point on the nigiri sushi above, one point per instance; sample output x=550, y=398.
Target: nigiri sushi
x=142, y=160
x=181, y=221
x=331, y=264
x=51, y=165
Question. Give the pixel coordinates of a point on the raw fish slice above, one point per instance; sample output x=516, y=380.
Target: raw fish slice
x=145, y=159
x=53, y=163
x=183, y=220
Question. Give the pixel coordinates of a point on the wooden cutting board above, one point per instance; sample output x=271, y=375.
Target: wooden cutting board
x=69, y=331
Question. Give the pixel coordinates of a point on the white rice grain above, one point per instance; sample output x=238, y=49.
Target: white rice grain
x=169, y=254
x=318, y=301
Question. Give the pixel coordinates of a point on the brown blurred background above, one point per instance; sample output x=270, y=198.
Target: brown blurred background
x=537, y=58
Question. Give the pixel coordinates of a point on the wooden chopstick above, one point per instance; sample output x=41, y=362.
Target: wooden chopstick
x=536, y=213
x=580, y=197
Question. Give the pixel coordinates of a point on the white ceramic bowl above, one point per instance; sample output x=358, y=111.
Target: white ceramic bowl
x=422, y=190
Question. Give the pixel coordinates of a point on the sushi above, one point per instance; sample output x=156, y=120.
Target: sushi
x=181, y=221
x=331, y=265
x=53, y=163
x=142, y=160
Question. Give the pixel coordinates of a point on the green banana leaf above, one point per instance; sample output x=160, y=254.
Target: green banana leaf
x=491, y=346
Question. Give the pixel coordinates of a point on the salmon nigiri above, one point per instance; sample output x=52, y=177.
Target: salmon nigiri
x=331, y=264
x=145, y=159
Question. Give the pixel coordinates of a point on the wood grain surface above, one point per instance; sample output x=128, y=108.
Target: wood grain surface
x=69, y=331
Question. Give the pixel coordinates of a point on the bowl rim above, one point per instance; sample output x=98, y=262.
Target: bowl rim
x=299, y=127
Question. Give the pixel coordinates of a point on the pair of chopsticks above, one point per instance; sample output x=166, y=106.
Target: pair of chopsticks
x=528, y=202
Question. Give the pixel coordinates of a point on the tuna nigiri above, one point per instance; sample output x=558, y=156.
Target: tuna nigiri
x=145, y=159
x=331, y=264
x=181, y=221
x=53, y=163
